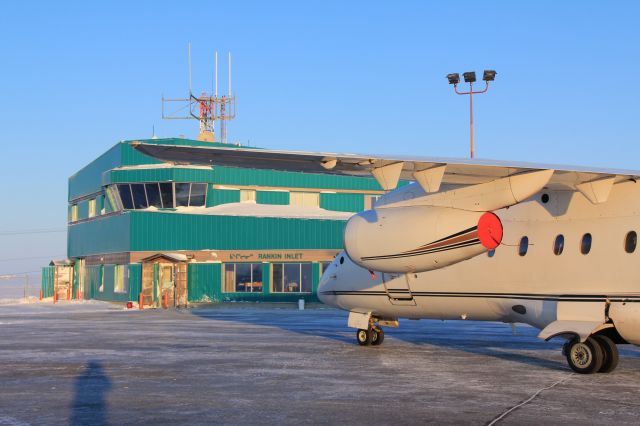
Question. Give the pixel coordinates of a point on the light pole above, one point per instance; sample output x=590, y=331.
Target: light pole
x=470, y=77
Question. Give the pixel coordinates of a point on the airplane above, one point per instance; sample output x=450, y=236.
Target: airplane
x=550, y=246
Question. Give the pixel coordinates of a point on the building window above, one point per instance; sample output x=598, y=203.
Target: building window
x=166, y=194
x=153, y=195
x=305, y=199
x=162, y=195
x=198, y=194
x=524, y=246
x=585, y=246
x=630, y=242
x=243, y=277
x=182, y=194
x=120, y=279
x=247, y=196
x=291, y=277
x=558, y=245
x=125, y=196
x=74, y=212
x=92, y=207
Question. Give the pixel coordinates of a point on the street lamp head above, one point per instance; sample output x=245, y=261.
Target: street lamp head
x=489, y=75
x=469, y=77
x=453, y=78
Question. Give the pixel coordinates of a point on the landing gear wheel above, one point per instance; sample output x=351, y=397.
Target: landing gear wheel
x=585, y=358
x=364, y=337
x=610, y=352
x=378, y=337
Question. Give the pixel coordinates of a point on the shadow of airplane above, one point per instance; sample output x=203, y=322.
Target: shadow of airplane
x=481, y=338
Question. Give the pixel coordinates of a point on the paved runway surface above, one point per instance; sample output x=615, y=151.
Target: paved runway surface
x=96, y=363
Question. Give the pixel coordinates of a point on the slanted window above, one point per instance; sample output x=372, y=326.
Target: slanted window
x=243, y=277
x=153, y=194
x=585, y=246
x=630, y=242
x=199, y=194
x=182, y=194
x=139, y=196
x=305, y=199
x=558, y=245
x=125, y=196
x=247, y=196
x=291, y=277
x=92, y=207
x=524, y=246
x=166, y=194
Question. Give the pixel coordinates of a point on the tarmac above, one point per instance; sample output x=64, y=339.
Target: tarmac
x=97, y=363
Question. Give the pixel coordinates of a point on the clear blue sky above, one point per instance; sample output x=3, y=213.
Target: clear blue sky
x=360, y=76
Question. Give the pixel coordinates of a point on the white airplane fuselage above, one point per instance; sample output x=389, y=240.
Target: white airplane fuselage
x=539, y=288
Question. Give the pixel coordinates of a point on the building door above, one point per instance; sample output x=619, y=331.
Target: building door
x=181, y=276
x=166, y=285
x=147, y=284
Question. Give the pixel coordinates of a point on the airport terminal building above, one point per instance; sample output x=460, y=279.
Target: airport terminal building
x=170, y=234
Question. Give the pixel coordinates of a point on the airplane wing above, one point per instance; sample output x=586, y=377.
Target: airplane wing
x=429, y=172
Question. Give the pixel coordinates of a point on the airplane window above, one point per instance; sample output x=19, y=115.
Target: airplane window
x=630, y=242
x=585, y=247
x=545, y=198
x=558, y=245
x=524, y=246
x=341, y=260
x=490, y=253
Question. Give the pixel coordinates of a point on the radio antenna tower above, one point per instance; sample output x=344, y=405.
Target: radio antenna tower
x=206, y=108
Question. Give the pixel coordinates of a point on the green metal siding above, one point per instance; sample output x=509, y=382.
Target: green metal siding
x=342, y=202
x=48, y=278
x=153, y=231
x=83, y=209
x=253, y=177
x=92, y=280
x=273, y=197
x=108, y=279
x=135, y=281
x=89, y=179
x=108, y=234
x=222, y=196
x=204, y=282
x=159, y=175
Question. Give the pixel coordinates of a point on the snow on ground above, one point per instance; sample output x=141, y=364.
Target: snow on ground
x=95, y=363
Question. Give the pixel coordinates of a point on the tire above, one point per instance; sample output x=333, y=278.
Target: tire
x=364, y=337
x=585, y=358
x=379, y=337
x=610, y=352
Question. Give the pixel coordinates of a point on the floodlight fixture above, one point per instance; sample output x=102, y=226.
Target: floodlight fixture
x=453, y=78
x=489, y=75
x=469, y=76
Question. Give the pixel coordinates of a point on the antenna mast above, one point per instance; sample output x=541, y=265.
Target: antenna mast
x=205, y=108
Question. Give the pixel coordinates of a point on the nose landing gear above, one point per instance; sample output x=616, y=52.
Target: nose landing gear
x=373, y=336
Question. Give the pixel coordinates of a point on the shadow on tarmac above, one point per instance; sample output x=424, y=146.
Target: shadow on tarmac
x=89, y=403
x=479, y=338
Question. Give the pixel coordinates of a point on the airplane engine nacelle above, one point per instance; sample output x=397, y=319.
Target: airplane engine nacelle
x=419, y=238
